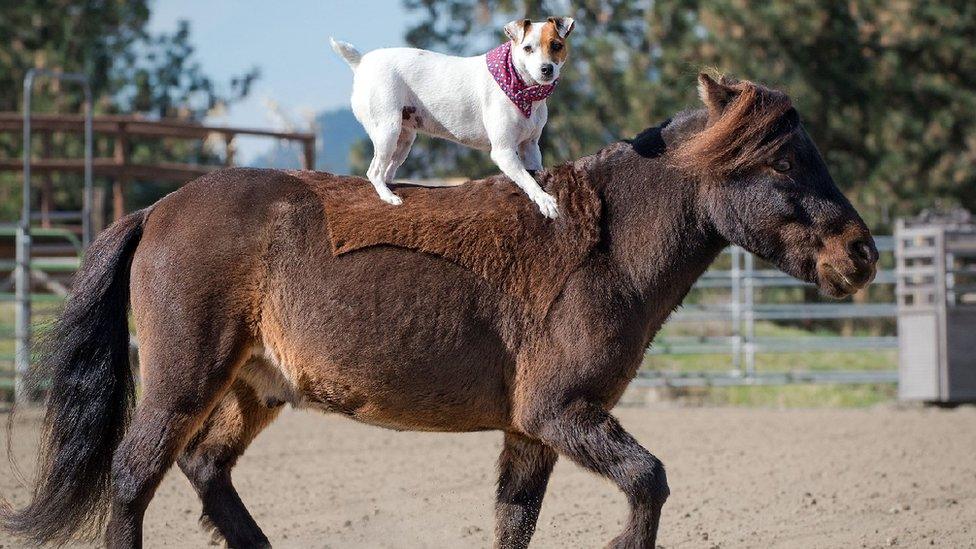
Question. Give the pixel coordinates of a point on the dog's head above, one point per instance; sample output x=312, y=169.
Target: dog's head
x=539, y=48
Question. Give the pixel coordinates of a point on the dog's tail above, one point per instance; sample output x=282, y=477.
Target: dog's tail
x=347, y=51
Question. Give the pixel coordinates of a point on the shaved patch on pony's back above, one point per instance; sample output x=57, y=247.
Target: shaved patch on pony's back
x=485, y=226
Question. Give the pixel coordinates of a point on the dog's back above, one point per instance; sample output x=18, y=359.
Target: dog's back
x=400, y=92
x=432, y=91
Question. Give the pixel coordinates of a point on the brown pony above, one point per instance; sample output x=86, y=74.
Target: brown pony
x=242, y=304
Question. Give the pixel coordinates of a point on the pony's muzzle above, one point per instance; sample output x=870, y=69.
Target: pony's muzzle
x=847, y=263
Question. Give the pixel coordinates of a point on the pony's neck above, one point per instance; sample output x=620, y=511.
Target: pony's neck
x=656, y=233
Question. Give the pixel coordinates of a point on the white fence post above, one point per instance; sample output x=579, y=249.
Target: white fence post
x=750, y=316
x=736, y=309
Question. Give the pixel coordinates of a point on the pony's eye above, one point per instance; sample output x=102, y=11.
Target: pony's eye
x=528, y=49
x=782, y=165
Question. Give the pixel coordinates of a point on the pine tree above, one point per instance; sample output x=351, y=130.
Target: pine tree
x=886, y=89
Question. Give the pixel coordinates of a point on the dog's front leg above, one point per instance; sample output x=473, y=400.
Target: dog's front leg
x=531, y=154
x=508, y=160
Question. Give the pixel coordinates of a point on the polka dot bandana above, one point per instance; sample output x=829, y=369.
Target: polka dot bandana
x=500, y=66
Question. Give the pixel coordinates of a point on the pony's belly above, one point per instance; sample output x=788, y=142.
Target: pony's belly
x=390, y=337
x=429, y=395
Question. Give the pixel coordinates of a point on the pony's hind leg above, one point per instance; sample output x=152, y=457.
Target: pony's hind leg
x=181, y=385
x=523, y=473
x=211, y=454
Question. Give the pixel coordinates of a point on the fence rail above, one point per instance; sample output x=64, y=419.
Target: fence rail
x=705, y=379
x=742, y=312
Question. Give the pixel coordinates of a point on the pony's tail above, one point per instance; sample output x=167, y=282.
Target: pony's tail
x=85, y=360
x=347, y=51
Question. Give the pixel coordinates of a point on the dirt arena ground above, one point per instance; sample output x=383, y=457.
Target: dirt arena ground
x=739, y=478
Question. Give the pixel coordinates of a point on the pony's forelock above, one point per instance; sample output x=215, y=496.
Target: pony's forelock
x=754, y=124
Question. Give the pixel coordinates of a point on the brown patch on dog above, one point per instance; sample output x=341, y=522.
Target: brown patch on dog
x=486, y=226
x=553, y=45
x=407, y=112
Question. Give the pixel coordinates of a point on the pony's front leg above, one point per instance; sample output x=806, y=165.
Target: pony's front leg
x=523, y=473
x=587, y=434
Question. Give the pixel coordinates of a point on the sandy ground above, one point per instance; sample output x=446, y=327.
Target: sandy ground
x=739, y=478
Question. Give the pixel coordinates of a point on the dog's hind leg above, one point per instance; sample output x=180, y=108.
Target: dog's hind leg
x=385, y=137
x=404, y=142
x=211, y=454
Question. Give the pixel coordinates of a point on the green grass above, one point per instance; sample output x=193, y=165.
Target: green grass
x=781, y=396
x=789, y=396
x=886, y=359
x=43, y=314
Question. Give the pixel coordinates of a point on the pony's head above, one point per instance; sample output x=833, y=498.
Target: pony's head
x=766, y=188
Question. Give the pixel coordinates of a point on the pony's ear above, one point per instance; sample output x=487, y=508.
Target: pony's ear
x=517, y=29
x=564, y=25
x=715, y=95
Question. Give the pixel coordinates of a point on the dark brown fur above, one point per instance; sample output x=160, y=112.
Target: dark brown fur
x=484, y=226
x=753, y=124
x=240, y=302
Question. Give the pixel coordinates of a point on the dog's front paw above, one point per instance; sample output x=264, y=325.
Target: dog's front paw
x=391, y=199
x=547, y=205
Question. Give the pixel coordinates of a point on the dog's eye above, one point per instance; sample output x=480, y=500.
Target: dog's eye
x=555, y=46
x=528, y=49
x=782, y=165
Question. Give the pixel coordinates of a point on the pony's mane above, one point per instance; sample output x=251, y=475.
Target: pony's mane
x=751, y=127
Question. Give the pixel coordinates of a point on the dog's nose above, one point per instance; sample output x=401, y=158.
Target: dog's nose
x=547, y=70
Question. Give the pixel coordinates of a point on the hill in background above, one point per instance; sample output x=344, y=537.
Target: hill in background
x=338, y=131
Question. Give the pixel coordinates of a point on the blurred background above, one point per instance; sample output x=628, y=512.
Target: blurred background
x=887, y=89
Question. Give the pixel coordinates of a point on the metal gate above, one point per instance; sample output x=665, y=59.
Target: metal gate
x=741, y=312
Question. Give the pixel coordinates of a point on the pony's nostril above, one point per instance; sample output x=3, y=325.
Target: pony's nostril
x=864, y=250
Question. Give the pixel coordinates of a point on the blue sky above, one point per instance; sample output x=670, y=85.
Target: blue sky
x=289, y=41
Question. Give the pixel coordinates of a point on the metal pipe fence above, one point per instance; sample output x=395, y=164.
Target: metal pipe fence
x=743, y=311
x=45, y=257
x=22, y=273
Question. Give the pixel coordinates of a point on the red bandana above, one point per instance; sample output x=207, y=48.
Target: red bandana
x=501, y=67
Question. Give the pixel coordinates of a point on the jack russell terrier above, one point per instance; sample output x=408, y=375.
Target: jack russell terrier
x=494, y=102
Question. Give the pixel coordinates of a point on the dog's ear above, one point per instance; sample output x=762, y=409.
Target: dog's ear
x=564, y=25
x=516, y=30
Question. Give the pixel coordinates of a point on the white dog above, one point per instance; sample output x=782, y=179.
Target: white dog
x=492, y=102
